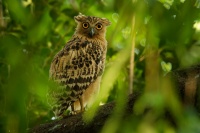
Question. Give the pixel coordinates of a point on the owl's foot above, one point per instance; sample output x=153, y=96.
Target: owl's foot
x=75, y=112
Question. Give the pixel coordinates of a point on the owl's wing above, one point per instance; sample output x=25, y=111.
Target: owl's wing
x=75, y=67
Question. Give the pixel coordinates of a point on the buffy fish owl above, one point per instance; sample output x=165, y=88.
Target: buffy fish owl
x=76, y=70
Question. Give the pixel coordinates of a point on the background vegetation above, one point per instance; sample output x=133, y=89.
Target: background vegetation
x=147, y=39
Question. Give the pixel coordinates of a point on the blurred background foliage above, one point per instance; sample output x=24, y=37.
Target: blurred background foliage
x=149, y=37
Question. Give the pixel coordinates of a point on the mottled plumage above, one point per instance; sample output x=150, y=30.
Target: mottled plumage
x=76, y=70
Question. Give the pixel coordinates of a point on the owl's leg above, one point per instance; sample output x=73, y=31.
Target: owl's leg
x=74, y=112
x=81, y=104
x=72, y=108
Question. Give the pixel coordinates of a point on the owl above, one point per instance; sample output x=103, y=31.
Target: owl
x=76, y=70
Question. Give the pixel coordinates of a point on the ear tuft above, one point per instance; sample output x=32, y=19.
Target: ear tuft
x=106, y=21
x=79, y=17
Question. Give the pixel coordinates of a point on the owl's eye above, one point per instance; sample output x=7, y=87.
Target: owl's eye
x=85, y=25
x=99, y=26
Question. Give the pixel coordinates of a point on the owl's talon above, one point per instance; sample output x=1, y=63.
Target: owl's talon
x=76, y=112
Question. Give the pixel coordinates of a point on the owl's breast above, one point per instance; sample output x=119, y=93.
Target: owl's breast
x=86, y=58
x=85, y=64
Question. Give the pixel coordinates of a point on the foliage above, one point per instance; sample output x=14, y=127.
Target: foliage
x=164, y=35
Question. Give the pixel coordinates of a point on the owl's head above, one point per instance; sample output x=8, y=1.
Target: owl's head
x=91, y=26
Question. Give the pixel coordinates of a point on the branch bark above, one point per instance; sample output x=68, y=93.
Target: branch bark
x=75, y=124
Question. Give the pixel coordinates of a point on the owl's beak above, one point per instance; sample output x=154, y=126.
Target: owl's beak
x=91, y=33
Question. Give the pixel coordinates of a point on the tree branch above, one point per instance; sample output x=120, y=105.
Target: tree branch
x=75, y=124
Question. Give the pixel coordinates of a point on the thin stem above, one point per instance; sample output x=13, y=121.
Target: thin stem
x=132, y=57
x=2, y=19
